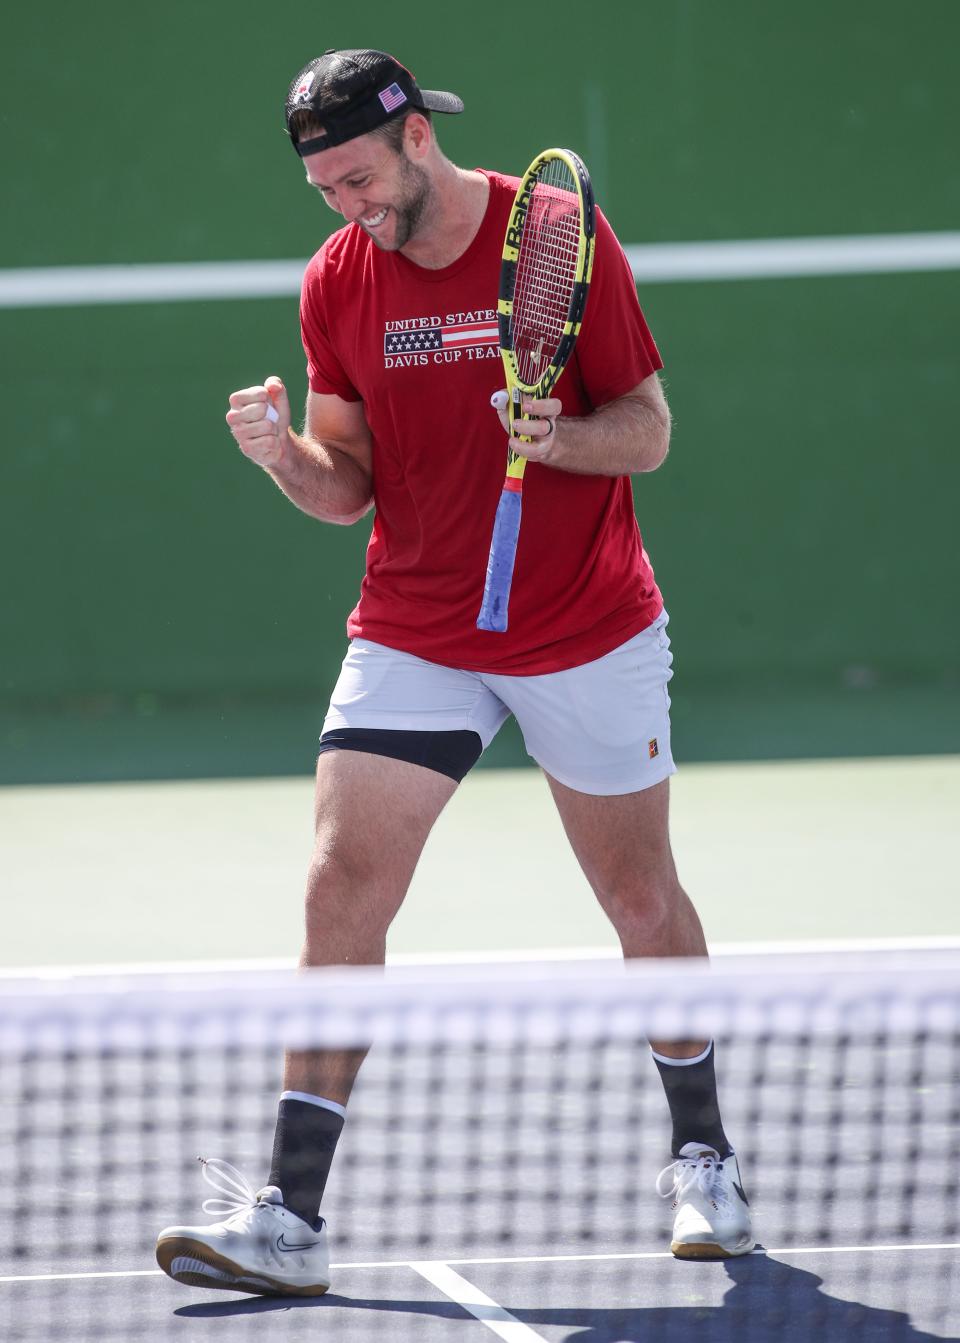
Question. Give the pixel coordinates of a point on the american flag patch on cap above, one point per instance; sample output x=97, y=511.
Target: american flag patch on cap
x=392, y=98
x=301, y=93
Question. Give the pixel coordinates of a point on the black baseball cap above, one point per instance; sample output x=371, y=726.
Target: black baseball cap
x=353, y=92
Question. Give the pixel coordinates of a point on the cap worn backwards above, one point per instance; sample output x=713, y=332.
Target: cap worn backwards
x=353, y=92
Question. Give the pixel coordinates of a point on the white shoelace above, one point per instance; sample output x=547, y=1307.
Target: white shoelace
x=680, y=1178
x=226, y=1179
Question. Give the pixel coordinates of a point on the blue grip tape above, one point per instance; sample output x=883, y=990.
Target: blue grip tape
x=503, y=553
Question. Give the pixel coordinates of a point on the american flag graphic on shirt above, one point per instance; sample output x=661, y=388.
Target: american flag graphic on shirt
x=392, y=98
x=414, y=339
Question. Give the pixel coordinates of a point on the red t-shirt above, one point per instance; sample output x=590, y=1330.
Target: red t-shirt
x=419, y=348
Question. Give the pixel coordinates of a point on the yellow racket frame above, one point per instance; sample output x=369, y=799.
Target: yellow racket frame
x=516, y=387
x=506, y=525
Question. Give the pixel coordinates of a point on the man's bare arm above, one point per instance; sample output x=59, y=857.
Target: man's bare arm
x=327, y=470
x=626, y=436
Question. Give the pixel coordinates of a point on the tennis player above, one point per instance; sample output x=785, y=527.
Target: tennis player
x=399, y=326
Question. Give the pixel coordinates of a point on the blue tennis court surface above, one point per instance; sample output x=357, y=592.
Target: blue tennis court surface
x=846, y=1293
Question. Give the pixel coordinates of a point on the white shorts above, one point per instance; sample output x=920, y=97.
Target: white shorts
x=602, y=728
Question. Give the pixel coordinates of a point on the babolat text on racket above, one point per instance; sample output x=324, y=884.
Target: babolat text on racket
x=544, y=282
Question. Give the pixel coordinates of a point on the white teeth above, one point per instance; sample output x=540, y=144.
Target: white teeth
x=376, y=219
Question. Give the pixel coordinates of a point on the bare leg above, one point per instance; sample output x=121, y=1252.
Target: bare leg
x=372, y=818
x=623, y=845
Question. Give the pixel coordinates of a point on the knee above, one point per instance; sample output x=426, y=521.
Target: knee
x=647, y=900
x=345, y=896
x=332, y=872
x=333, y=878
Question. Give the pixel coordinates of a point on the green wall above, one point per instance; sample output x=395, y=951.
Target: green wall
x=166, y=611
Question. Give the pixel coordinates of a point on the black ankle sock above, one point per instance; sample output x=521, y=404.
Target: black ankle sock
x=692, y=1096
x=303, y=1148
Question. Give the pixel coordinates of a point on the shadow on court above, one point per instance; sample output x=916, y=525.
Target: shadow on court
x=767, y=1300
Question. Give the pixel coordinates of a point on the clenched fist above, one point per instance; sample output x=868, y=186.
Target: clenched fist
x=259, y=418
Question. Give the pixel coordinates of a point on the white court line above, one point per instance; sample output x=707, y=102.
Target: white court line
x=523, y=1259
x=788, y=258
x=652, y=263
x=480, y=1306
x=519, y=956
x=72, y=286
x=72, y=1277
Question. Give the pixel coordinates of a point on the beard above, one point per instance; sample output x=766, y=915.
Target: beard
x=410, y=206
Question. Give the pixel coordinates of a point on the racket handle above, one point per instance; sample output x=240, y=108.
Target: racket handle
x=515, y=413
x=503, y=553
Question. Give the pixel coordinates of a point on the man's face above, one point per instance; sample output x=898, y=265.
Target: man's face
x=384, y=193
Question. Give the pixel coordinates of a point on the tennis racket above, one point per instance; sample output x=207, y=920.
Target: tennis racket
x=544, y=280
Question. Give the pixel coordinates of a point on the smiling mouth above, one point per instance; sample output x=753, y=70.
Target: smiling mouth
x=375, y=220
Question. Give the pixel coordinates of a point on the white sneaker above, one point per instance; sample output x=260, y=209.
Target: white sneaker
x=261, y=1246
x=712, y=1214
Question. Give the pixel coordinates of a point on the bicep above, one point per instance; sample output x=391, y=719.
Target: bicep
x=340, y=426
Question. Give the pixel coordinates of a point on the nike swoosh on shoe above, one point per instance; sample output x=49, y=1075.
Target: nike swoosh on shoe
x=287, y=1248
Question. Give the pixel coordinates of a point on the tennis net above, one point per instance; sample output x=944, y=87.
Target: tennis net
x=497, y=1168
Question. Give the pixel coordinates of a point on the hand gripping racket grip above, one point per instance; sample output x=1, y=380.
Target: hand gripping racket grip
x=503, y=553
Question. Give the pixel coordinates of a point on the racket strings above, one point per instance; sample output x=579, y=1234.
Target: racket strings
x=546, y=271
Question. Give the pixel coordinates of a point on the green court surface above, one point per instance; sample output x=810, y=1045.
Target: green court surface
x=213, y=871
